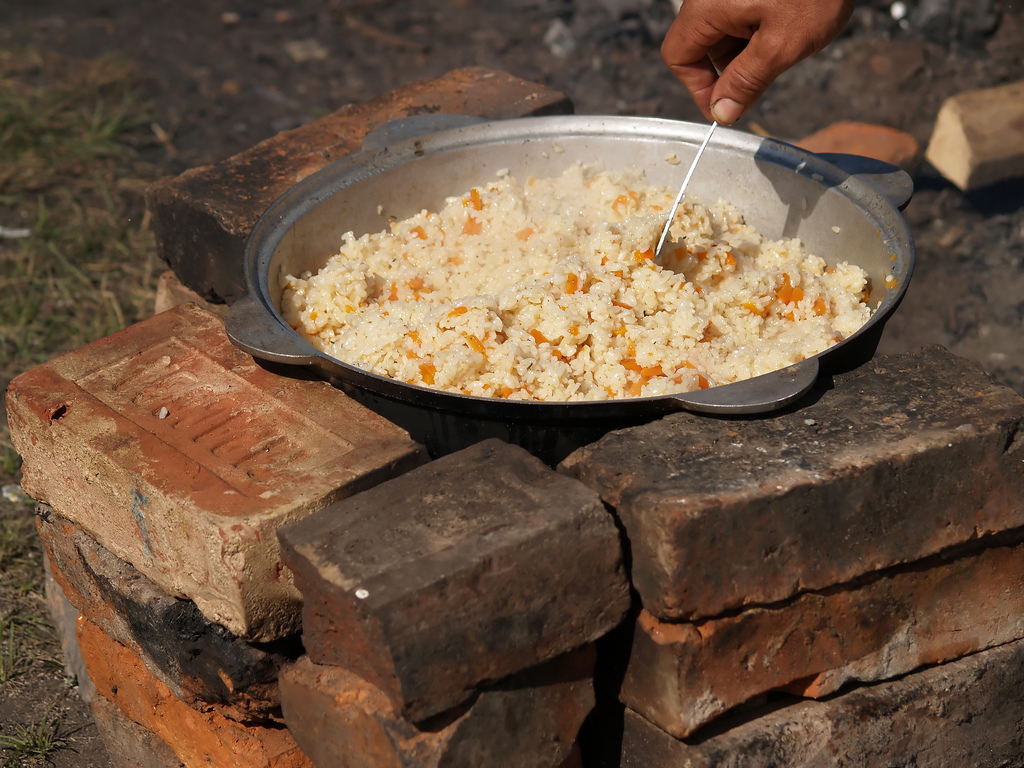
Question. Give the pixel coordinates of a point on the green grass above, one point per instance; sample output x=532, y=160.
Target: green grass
x=34, y=743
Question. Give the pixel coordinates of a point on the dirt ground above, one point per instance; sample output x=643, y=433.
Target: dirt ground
x=226, y=75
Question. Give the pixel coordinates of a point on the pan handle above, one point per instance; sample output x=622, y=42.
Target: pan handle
x=414, y=126
x=253, y=329
x=890, y=181
x=760, y=394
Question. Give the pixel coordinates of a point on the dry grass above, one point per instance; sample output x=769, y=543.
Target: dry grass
x=69, y=176
x=77, y=262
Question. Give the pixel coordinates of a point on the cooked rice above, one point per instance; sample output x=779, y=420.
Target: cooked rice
x=550, y=291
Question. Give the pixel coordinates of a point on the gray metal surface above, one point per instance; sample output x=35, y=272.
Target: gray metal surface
x=782, y=190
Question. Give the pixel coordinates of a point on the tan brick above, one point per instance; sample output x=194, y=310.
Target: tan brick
x=128, y=744
x=978, y=137
x=880, y=142
x=478, y=565
x=681, y=676
x=171, y=293
x=529, y=720
x=202, y=663
x=964, y=713
x=900, y=459
x=203, y=217
x=193, y=499
x=196, y=738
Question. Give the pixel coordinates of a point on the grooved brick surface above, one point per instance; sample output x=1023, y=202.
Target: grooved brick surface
x=681, y=676
x=478, y=565
x=529, y=720
x=902, y=458
x=182, y=456
x=964, y=713
x=196, y=738
x=202, y=663
x=203, y=217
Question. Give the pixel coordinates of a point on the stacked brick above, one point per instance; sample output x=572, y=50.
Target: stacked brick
x=253, y=570
x=168, y=462
x=865, y=536
x=464, y=598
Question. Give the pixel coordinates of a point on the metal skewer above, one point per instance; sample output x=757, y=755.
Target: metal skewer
x=682, y=189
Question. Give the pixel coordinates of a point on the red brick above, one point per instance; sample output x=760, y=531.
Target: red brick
x=880, y=142
x=202, y=663
x=902, y=458
x=681, y=676
x=193, y=500
x=964, y=713
x=478, y=565
x=197, y=738
x=203, y=217
x=128, y=744
x=63, y=616
x=528, y=720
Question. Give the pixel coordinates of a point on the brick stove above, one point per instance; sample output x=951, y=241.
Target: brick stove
x=253, y=570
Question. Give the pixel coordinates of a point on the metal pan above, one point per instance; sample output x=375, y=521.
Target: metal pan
x=844, y=208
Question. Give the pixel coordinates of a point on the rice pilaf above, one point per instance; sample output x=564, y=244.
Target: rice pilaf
x=549, y=290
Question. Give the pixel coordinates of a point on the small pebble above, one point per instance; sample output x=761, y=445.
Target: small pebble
x=163, y=413
x=14, y=494
x=362, y=594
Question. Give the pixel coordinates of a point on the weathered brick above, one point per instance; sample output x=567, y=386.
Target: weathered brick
x=528, y=720
x=64, y=615
x=476, y=566
x=202, y=663
x=171, y=293
x=900, y=459
x=964, y=713
x=182, y=456
x=880, y=142
x=196, y=738
x=128, y=744
x=681, y=676
x=978, y=137
x=203, y=217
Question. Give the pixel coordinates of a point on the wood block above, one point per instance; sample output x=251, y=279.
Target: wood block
x=182, y=456
x=978, y=137
x=966, y=712
x=681, y=676
x=900, y=459
x=202, y=663
x=529, y=720
x=476, y=566
x=203, y=217
x=196, y=738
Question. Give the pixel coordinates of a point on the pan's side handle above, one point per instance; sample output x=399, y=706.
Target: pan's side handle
x=253, y=329
x=890, y=181
x=760, y=394
x=411, y=127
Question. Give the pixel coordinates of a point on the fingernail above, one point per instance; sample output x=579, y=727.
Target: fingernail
x=726, y=111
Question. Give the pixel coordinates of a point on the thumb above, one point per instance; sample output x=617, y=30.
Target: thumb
x=744, y=80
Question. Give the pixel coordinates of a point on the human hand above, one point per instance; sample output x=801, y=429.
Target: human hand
x=727, y=52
